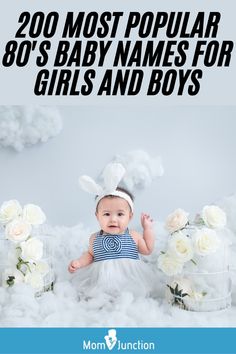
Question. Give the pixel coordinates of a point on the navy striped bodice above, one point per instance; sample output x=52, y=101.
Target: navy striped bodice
x=107, y=246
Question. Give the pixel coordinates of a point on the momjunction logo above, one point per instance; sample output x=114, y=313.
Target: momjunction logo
x=111, y=341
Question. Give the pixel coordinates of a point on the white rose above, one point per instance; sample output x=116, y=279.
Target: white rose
x=18, y=230
x=40, y=267
x=169, y=265
x=197, y=296
x=193, y=301
x=11, y=277
x=176, y=221
x=213, y=216
x=181, y=247
x=205, y=241
x=34, y=279
x=9, y=211
x=31, y=250
x=33, y=214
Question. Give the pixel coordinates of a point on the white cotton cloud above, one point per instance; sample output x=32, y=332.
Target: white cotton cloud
x=141, y=169
x=23, y=126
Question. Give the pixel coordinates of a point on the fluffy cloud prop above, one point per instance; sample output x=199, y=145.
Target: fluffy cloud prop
x=22, y=126
x=141, y=169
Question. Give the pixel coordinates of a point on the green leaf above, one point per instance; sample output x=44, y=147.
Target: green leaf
x=193, y=262
x=185, y=294
x=10, y=280
x=171, y=289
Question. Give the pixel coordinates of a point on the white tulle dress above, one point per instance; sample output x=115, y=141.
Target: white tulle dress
x=116, y=268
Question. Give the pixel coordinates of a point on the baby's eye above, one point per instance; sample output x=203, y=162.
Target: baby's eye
x=121, y=214
x=106, y=214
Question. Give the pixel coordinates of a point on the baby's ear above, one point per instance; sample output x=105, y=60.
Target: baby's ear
x=131, y=215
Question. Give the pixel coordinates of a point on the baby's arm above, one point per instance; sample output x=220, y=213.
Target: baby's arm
x=85, y=259
x=146, y=241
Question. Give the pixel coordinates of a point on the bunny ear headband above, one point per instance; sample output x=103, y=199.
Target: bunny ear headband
x=112, y=174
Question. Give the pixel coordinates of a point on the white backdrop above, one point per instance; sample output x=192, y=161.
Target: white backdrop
x=197, y=145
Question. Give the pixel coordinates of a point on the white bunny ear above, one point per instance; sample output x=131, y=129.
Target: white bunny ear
x=89, y=185
x=113, y=174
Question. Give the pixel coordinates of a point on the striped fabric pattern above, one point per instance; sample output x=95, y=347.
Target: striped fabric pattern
x=106, y=246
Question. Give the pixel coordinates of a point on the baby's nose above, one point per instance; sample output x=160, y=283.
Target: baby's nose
x=113, y=217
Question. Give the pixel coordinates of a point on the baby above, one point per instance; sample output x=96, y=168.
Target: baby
x=112, y=261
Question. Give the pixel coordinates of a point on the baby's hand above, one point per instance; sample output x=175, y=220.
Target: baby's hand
x=146, y=221
x=73, y=266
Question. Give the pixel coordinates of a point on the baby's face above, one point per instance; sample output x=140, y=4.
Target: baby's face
x=113, y=215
